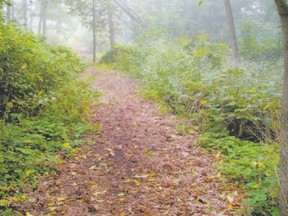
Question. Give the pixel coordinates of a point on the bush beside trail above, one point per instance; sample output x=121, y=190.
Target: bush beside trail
x=234, y=108
x=43, y=110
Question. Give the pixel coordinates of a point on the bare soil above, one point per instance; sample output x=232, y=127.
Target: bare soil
x=136, y=165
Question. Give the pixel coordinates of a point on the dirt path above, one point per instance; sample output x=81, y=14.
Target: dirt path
x=137, y=165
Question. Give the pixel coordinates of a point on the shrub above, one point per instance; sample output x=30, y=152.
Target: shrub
x=236, y=107
x=121, y=58
x=43, y=110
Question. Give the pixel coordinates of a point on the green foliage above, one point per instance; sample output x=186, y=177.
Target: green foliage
x=121, y=58
x=260, y=40
x=43, y=110
x=252, y=164
x=231, y=105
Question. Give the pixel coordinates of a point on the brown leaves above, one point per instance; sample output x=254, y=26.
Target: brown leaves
x=138, y=165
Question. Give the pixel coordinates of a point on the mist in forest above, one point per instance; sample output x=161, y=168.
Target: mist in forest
x=70, y=23
x=215, y=65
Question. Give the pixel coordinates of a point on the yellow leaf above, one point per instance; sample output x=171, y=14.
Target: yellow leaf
x=60, y=198
x=4, y=202
x=194, y=173
x=24, y=66
x=204, y=102
x=230, y=207
x=149, y=153
x=122, y=199
x=122, y=214
x=10, y=105
x=255, y=186
x=94, y=187
x=151, y=180
x=67, y=145
x=142, y=176
x=137, y=183
x=28, y=214
x=94, y=168
x=261, y=164
x=266, y=107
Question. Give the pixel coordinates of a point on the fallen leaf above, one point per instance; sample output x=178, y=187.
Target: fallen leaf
x=111, y=152
x=141, y=176
x=60, y=198
x=149, y=153
x=137, y=183
x=94, y=187
x=122, y=194
x=122, y=199
x=230, y=198
x=99, y=192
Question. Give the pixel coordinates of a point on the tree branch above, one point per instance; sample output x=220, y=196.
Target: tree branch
x=132, y=14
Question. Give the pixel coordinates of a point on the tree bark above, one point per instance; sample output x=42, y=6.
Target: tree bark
x=231, y=30
x=282, y=8
x=94, y=30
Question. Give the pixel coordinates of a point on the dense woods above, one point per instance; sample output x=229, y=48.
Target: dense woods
x=217, y=64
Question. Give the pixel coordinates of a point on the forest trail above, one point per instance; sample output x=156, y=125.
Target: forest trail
x=136, y=165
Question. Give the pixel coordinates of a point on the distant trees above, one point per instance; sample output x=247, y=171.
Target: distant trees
x=282, y=7
x=97, y=15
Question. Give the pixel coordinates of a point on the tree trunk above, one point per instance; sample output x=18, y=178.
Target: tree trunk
x=25, y=7
x=231, y=29
x=111, y=27
x=12, y=10
x=94, y=30
x=8, y=14
x=44, y=18
x=282, y=8
x=40, y=18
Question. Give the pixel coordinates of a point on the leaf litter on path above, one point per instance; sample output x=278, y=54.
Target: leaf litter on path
x=137, y=165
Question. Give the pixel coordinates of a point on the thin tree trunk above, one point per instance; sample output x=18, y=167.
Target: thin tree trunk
x=231, y=29
x=44, y=18
x=40, y=18
x=94, y=30
x=8, y=14
x=111, y=28
x=25, y=7
x=12, y=11
x=282, y=8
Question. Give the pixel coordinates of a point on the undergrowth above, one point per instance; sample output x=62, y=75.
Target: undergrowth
x=43, y=111
x=235, y=106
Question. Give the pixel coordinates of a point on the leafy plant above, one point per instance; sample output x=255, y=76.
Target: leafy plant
x=235, y=107
x=43, y=110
